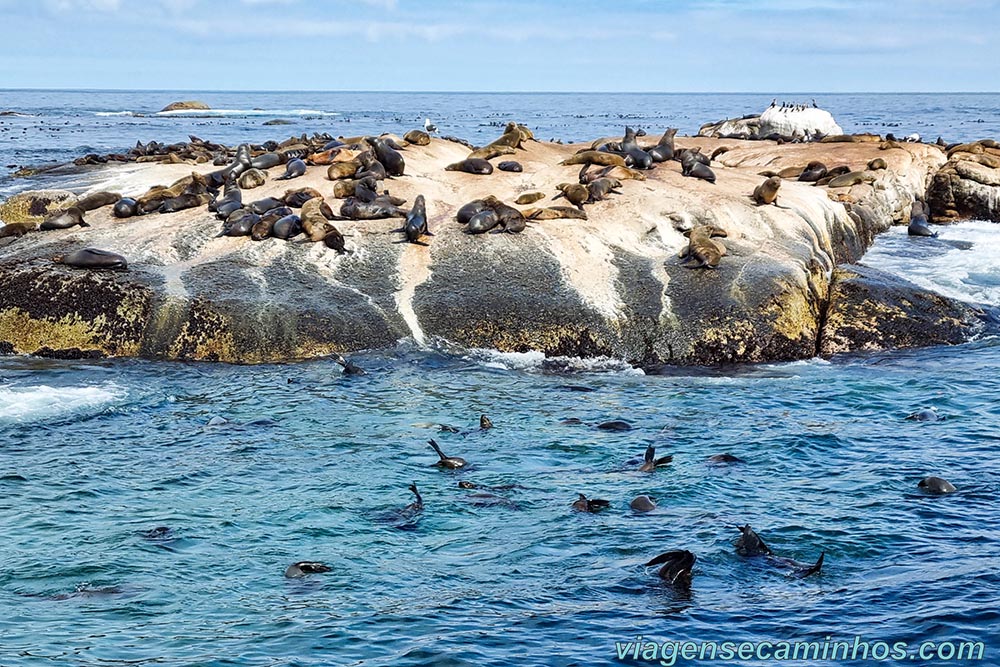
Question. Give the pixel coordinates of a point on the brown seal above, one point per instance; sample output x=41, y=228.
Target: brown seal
x=595, y=157
x=767, y=192
x=577, y=194
x=64, y=220
x=315, y=217
x=341, y=170
x=97, y=200
x=877, y=164
x=703, y=248
x=16, y=229
x=417, y=138
x=472, y=165
x=252, y=178
x=555, y=213
x=529, y=198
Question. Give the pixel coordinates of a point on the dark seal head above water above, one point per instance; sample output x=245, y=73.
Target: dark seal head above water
x=936, y=485
x=583, y=504
x=650, y=462
x=304, y=567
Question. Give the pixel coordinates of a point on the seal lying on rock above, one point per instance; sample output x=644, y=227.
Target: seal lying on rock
x=416, y=222
x=695, y=168
x=554, y=213
x=64, y=220
x=472, y=165
x=703, y=248
x=417, y=138
x=93, y=258
x=664, y=149
x=97, y=200
x=813, y=172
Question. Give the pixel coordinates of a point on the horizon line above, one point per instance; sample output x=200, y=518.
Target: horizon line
x=511, y=92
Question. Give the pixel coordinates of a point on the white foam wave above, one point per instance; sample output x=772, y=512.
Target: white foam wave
x=537, y=361
x=962, y=263
x=246, y=112
x=119, y=113
x=36, y=402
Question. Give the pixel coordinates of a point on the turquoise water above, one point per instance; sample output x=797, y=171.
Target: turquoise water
x=94, y=455
x=311, y=465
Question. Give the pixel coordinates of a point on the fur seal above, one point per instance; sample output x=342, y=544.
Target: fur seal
x=97, y=200
x=595, y=157
x=287, y=227
x=695, y=168
x=296, y=198
x=376, y=210
x=93, y=258
x=511, y=166
x=465, y=214
x=510, y=218
x=767, y=192
x=555, y=213
x=261, y=229
x=600, y=188
x=315, y=217
x=615, y=425
x=450, y=462
x=262, y=206
x=583, y=504
x=703, y=248
x=390, y=158
x=650, y=461
x=724, y=458
x=507, y=142
x=126, y=207
x=485, y=423
x=64, y=220
x=877, y=164
x=851, y=178
x=643, y=504
x=472, y=165
x=813, y=172
x=918, y=221
x=417, y=138
x=925, y=415
x=183, y=202
x=334, y=240
x=341, y=170
x=252, y=178
x=304, y=567
x=663, y=151
x=293, y=169
x=529, y=198
x=16, y=229
x=240, y=222
x=416, y=222
x=936, y=485
x=482, y=222
x=640, y=159
x=749, y=545
x=230, y=201
x=576, y=194
x=349, y=367
x=676, y=568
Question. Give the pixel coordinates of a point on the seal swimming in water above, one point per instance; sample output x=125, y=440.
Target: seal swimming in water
x=407, y=517
x=472, y=165
x=724, y=458
x=767, y=192
x=936, y=485
x=485, y=423
x=676, y=568
x=450, y=462
x=93, y=258
x=643, y=504
x=583, y=504
x=349, y=367
x=64, y=220
x=925, y=415
x=650, y=462
x=304, y=567
x=615, y=425
x=749, y=545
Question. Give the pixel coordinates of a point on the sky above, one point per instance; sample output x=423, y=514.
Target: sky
x=503, y=45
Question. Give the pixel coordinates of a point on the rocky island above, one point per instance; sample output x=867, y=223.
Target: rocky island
x=788, y=286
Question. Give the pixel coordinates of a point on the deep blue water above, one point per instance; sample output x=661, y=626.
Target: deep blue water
x=93, y=455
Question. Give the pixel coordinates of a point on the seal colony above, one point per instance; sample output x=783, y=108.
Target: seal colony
x=610, y=236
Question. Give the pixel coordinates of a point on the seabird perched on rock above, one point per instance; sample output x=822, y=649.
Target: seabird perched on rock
x=429, y=126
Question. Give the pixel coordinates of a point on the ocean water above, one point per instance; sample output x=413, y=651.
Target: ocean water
x=250, y=469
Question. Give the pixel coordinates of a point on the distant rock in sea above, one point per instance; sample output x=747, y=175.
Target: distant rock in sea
x=185, y=106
